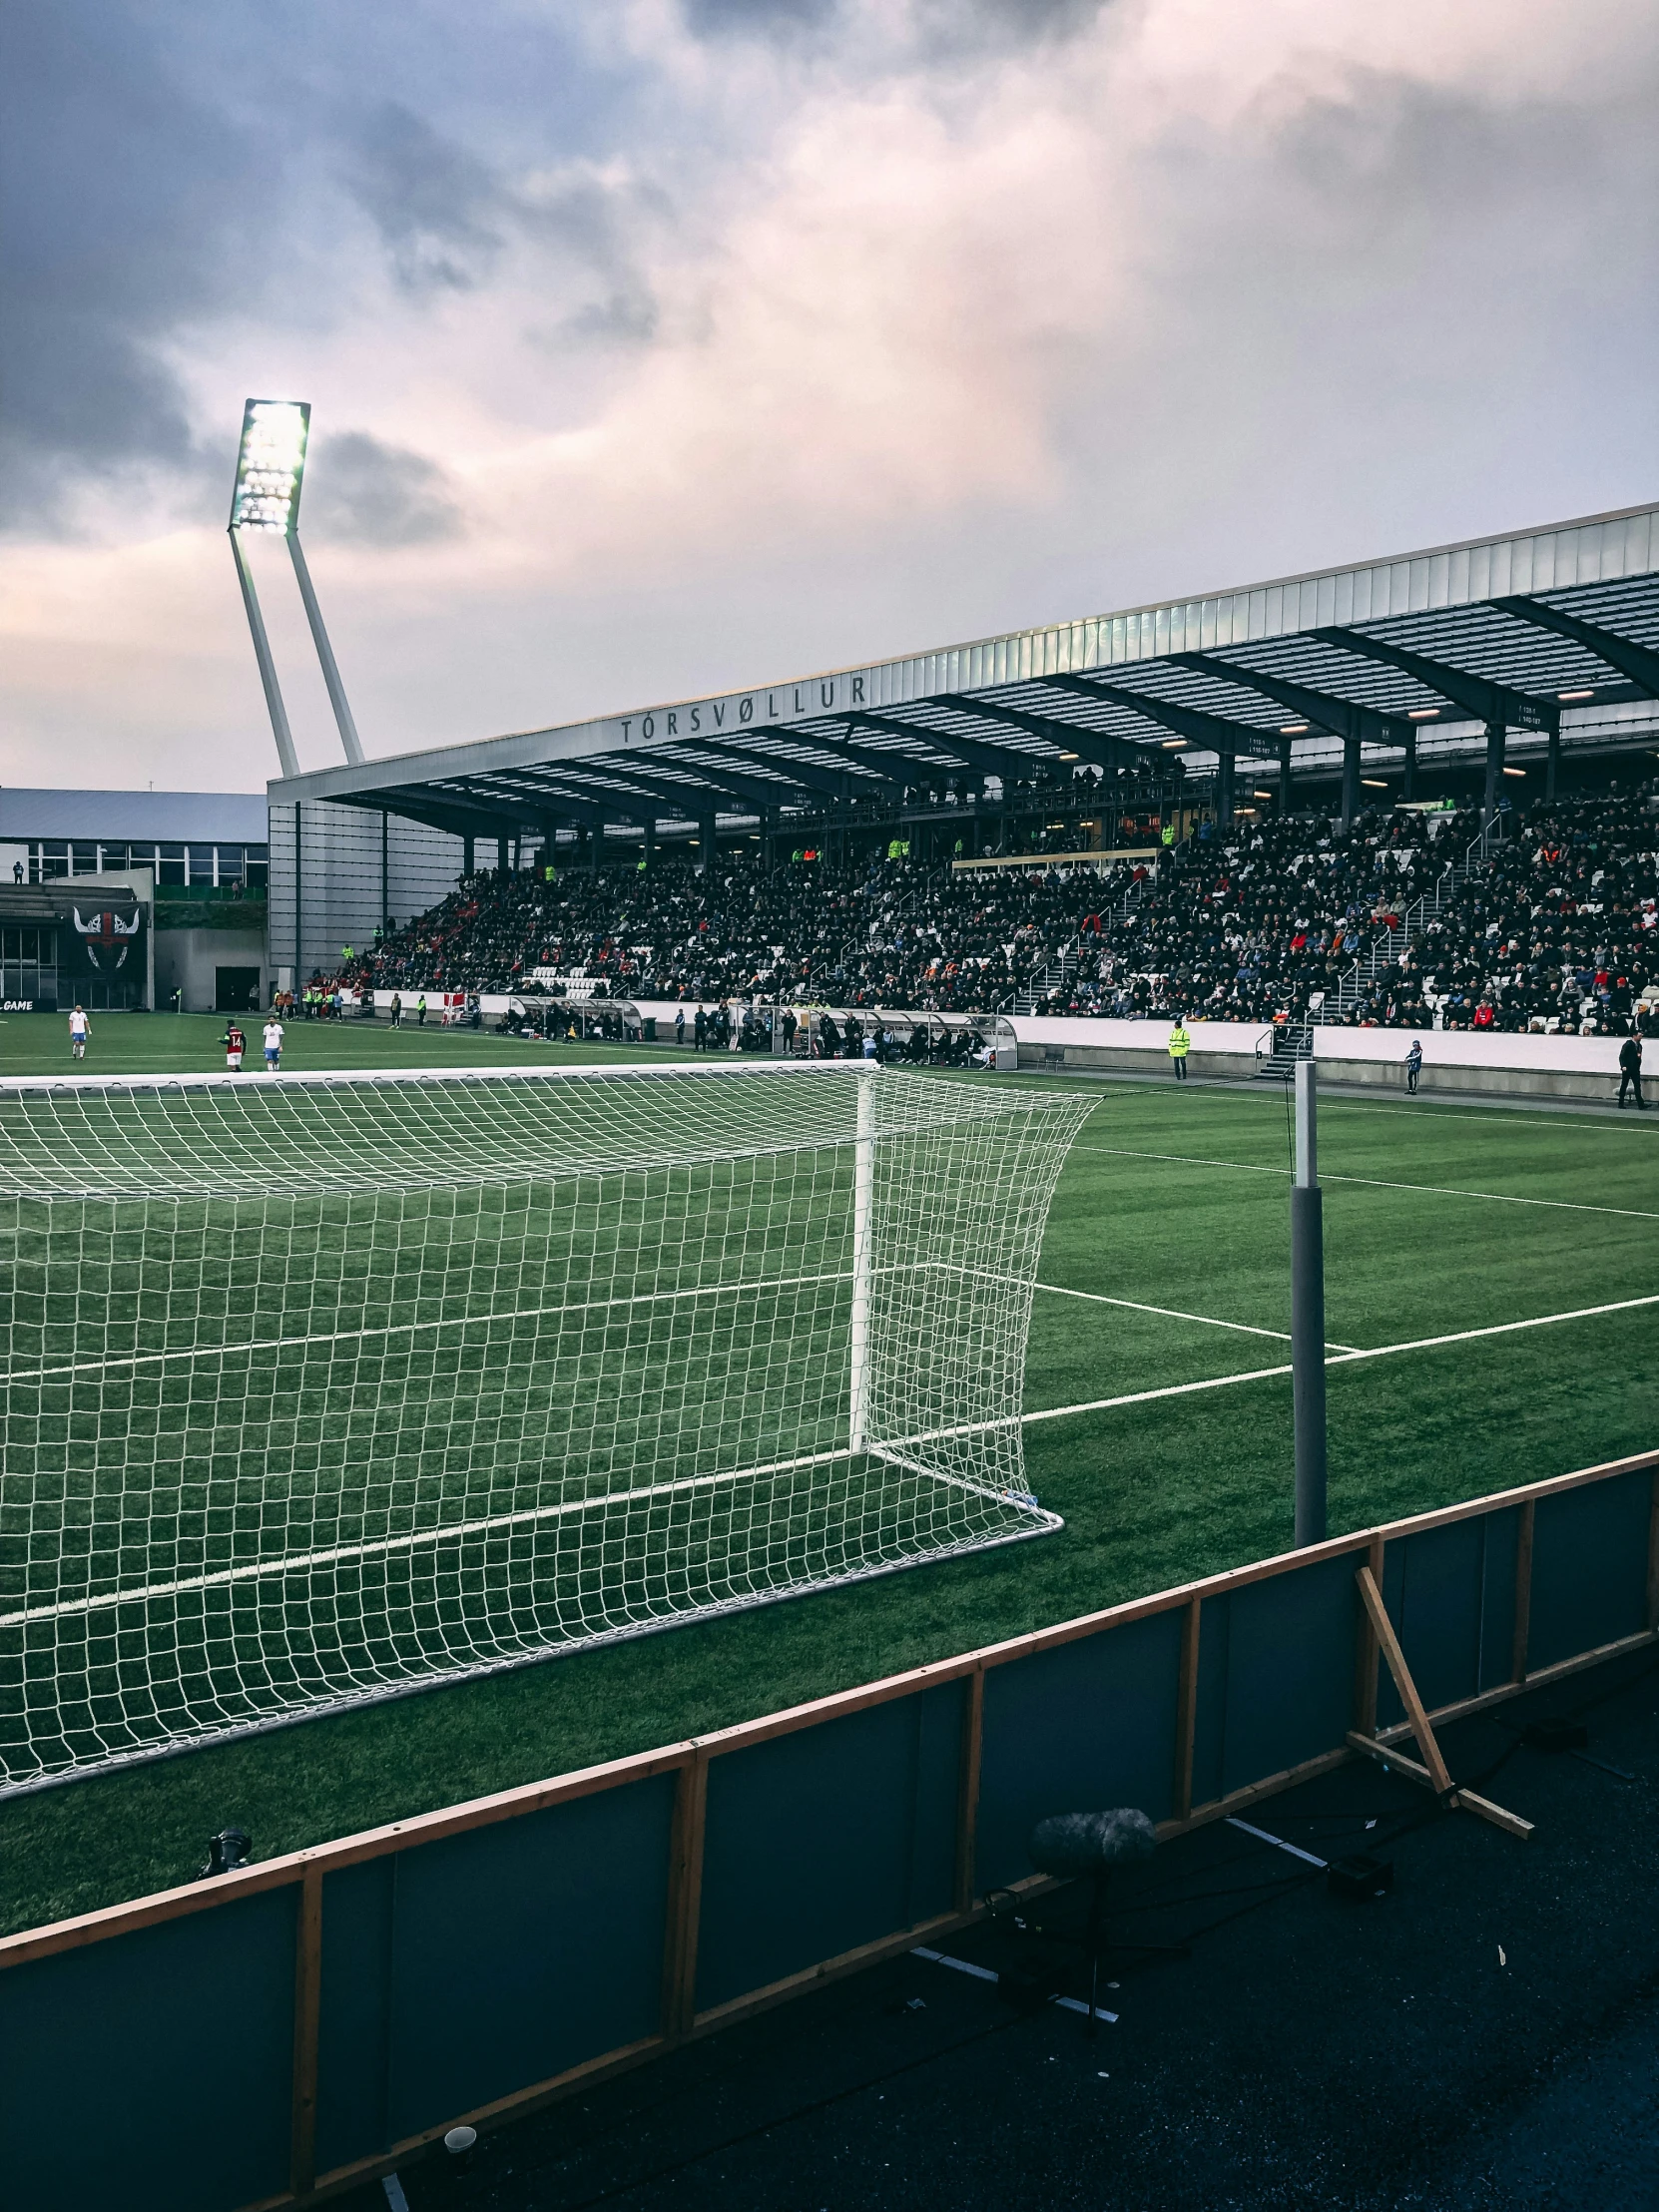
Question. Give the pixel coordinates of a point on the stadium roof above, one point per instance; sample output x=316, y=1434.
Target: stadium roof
x=1513, y=631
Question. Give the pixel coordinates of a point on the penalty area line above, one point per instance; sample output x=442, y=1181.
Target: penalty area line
x=1171, y=1312
x=1338, y=1360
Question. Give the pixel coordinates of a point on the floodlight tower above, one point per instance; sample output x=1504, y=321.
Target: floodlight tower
x=271, y=472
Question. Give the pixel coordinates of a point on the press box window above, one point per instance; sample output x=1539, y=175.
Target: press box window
x=171, y=868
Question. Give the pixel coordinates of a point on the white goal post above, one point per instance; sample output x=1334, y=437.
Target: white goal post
x=321, y=1388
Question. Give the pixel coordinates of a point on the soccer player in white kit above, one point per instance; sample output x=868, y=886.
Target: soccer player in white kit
x=79, y=1029
x=274, y=1044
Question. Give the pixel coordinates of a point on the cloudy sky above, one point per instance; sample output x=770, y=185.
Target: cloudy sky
x=663, y=346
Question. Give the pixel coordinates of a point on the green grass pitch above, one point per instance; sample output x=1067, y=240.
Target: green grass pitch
x=1438, y=1221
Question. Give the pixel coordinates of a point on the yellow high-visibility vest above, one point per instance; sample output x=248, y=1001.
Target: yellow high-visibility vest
x=1179, y=1042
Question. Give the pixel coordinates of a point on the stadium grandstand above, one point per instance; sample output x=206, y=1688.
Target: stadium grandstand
x=1414, y=790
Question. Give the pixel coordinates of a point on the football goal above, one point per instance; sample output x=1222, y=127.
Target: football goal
x=324, y=1388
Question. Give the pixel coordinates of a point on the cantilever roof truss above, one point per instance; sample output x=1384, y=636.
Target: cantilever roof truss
x=1298, y=660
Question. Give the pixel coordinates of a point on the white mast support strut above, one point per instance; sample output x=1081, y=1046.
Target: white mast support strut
x=326, y=654
x=864, y=1256
x=267, y=666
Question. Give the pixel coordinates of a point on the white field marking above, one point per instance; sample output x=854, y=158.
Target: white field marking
x=1278, y=1841
x=382, y=1546
x=890, y=1450
x=1446, y=1110
x=406, y=1328
x=1171, y=1312
x=1433, y=1190
x=1334, y=1359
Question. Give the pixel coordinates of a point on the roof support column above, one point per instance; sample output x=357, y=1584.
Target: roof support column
x=469, y=862
x=1224, y=787
x=1495, y=735
x=1408, y=785
x=648, y=841
x=1284, y=805
x=503, y=853
x=1351, y=780
x=1552, y=764
x=704, y=844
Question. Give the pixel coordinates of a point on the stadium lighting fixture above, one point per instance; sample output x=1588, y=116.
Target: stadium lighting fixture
x=1514, y=772
x=1261, y=794
x=1293, y=729
x=270, y=464
x=1373, y=782
x=1171, y=744
x=1069, y=756
x=1423, y=714
x=1575, y=694
x=270, y=474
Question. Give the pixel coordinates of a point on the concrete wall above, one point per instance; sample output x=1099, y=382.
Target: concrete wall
x=349, y=876
x=1454, y=1062
x=188, y=958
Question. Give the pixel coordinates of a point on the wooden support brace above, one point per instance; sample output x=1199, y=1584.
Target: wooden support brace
x=1434, y=1772
x=1388, y=1756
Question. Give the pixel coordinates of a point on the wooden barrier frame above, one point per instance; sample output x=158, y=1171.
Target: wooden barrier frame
x=689, y=1763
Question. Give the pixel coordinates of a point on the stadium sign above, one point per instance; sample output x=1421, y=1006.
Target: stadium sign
x=709, y=717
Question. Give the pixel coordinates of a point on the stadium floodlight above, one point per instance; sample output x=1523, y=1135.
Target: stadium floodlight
x=499, y=1365
x=270, y=474
x=271, y=465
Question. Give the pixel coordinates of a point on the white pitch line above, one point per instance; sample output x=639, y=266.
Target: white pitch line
x=1171, y=1312
x=1337, y=1359
x=1431, y=1189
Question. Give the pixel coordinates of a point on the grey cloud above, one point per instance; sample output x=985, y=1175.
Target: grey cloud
x=363, y=491
x=119, y=193
x=756, y=18
x=438, y=207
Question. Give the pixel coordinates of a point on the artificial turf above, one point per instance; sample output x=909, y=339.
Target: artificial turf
x=1173, y=1199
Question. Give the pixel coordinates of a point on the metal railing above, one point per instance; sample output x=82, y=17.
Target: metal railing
x=1387, y=949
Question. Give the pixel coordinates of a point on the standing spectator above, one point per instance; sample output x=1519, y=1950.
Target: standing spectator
x=272, y=1044
x=235, y=1044
x=1413, y=1067
x=398, y=1009
x=421, y=1011
x=679, y=1029
x=700, y=1032
x=1630, y=1072
x=1180, y=1044
x=79, y=1029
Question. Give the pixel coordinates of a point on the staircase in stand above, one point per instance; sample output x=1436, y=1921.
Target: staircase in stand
x=1382, y=952
x=1061, y=973
x=1278, y=1050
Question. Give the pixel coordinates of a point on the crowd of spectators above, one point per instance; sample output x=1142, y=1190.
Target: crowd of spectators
x=1553, y=927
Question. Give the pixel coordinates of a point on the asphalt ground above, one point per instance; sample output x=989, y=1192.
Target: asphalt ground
x=1482, y=2036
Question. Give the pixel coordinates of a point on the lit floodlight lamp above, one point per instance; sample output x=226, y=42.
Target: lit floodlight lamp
x=271, y=465
x=270, y=473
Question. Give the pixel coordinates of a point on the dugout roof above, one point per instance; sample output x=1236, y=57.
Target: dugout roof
x=1523, y=633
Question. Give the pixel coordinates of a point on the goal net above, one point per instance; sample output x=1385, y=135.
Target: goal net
x=322, y=1388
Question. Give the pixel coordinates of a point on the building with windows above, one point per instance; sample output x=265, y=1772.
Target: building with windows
x=122, y=900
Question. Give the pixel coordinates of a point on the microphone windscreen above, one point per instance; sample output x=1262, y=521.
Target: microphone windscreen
x=1068, y=1845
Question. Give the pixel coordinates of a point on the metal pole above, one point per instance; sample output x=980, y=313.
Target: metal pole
x=1308, y=1318
x=267, y=666
x=1351, y=780
x=863, y=1220
x=326, y=654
